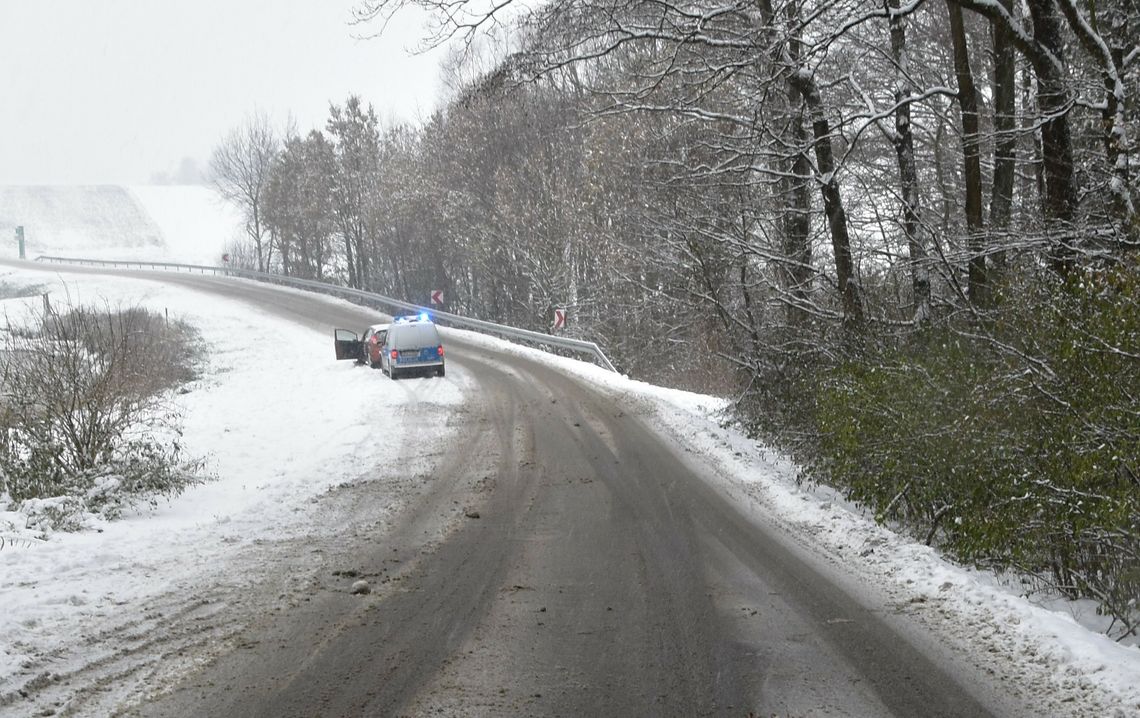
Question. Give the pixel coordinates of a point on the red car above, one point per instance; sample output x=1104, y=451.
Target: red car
x=364, y=349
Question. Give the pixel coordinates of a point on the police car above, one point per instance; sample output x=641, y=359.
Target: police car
x=408, y=345
x=412, y=346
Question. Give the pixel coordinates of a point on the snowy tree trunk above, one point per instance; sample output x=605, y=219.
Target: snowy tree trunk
x=1111, y=63
x=968, y=102
x=849, y=291
x=1005, y=138
x=1056, y=138
x=903, y=141
x=797, y=213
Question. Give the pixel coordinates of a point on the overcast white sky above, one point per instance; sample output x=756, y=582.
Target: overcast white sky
x=117, y=91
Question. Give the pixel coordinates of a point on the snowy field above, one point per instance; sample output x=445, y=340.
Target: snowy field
x=275, y=452
x=184, y=224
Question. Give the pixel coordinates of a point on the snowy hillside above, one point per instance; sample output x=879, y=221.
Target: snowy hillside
x=179, y=223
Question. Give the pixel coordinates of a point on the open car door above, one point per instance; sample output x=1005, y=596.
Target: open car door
x=347, y=344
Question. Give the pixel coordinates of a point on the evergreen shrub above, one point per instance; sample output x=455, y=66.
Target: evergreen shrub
x=1013, y=442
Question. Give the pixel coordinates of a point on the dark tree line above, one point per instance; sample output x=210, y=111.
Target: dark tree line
x=904, y=233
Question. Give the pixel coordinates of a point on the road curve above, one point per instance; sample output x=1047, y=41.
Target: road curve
x=593, y=571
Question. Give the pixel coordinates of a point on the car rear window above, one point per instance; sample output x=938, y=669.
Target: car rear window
x=414, y=336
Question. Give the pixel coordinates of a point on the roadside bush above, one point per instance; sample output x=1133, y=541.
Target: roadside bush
x=83, y=412
x=1014, y=445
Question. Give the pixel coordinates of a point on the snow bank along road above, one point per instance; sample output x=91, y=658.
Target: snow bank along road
x=560, y=557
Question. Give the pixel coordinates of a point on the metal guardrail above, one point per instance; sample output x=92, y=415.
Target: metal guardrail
x=576, y=345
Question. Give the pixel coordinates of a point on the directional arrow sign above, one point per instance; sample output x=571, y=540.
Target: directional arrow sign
x=437, y=296
x=559, y=318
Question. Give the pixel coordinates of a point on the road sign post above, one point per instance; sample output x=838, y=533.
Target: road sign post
x=559, y=319
x=437, y=297
x=20, y=240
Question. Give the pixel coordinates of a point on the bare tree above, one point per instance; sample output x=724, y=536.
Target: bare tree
x=239, y=170
x=1044, y=41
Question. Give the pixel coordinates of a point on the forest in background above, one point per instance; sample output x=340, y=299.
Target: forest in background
x=901, y=235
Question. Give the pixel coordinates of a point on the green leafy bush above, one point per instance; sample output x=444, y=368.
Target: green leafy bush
x=1015, y=444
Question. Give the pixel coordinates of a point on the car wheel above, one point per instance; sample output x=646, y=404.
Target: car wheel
x=392, y=372
x=439, y=371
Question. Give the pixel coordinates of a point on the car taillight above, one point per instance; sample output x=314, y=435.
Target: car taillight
x=439, y=350
x=395, y=355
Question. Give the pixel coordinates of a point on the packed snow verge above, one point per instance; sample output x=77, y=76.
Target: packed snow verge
x=1054, y=647
x=92, y=618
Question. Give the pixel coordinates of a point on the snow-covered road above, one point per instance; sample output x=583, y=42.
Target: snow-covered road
x=124, y=607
